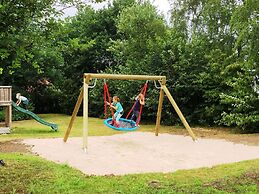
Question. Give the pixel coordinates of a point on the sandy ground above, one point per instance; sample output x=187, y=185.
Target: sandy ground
x=139, y=152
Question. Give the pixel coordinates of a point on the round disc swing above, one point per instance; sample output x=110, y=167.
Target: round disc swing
x=125, y=124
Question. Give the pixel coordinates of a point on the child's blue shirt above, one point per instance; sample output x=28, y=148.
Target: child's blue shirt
x=119, y=107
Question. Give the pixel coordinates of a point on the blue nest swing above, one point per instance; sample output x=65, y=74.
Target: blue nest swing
x=124, y=124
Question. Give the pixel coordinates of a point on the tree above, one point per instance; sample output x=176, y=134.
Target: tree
x=27, y=50
x=242, y=99
x=84, y=41
x=17, y=20
x=226, y=35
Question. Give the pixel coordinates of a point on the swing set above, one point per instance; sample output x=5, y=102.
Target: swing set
x=125, y=124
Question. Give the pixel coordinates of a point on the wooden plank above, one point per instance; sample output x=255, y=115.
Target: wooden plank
x=2, y=95
x=5, y=87
x=178, y=111
x=5, y=103
x=9, y=95
x=124, y=77
x=4, y=130
x=159, y=111
x=73, y=117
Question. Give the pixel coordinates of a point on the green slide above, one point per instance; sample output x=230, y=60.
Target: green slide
x=53, y=126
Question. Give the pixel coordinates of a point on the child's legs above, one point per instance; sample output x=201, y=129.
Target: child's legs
x=117, y=118
x=116, y=115
x=26, y=103
x=134, y=116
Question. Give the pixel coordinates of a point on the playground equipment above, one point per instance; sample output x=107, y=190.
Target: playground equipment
x=84, y=96
x=124, y=124
x=6, y=102
x=53, y=126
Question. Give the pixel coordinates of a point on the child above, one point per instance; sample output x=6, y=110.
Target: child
x=116, y=105
x=140, y=100
x=22, y=99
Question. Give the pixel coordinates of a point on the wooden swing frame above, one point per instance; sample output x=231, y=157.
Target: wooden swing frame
x=83, y=96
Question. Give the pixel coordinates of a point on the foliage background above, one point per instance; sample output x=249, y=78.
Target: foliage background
x=209, y=52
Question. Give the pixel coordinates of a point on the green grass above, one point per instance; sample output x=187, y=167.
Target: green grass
x=25, y=173
x=33, y=129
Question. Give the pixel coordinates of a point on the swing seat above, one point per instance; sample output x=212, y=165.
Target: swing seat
x=125, y=124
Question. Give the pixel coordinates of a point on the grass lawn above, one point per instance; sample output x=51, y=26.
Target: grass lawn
x=25, y=173
x=33, y=129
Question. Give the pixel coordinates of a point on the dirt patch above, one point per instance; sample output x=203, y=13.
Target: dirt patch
x=14, y=146
x=155, y=184
x=229, y=184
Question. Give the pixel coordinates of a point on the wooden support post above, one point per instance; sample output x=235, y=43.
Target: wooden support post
x=85, y=112
x=8, y=116
x=159, y=109
x=178, y=111
x=6, y=113
x=73, y=117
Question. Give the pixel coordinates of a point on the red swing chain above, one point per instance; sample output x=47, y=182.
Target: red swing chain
x=134, y=104
x=141, y=106
x=143, y=91
x=106, y=91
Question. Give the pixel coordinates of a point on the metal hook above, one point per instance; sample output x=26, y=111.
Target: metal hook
x=92, y=86
x=157, y=87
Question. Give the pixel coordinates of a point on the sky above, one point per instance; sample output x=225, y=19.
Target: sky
x=162, y=5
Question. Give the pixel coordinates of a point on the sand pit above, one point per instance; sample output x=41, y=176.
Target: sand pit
x=139, y=152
